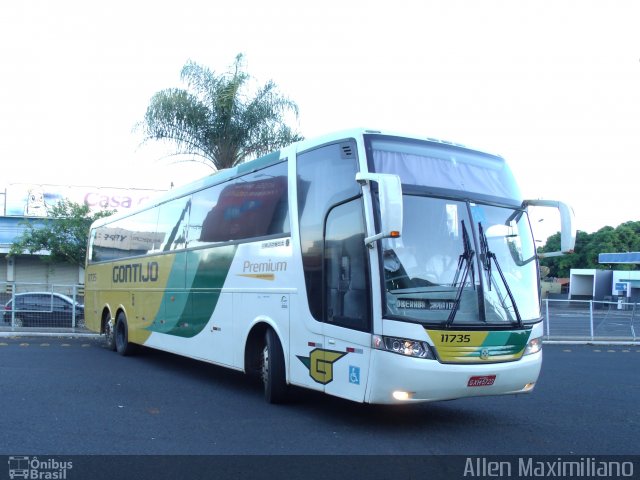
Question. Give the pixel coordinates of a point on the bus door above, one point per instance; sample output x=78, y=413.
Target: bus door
x=347, y=306
x=331, y=222
x=346, y=362
x=306, y=348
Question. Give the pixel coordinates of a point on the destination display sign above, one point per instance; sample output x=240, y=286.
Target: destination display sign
x=424, y=304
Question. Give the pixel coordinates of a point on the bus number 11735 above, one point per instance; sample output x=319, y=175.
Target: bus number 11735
x=455, y=338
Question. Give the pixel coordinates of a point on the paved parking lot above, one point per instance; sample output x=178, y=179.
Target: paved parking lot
x=73, y=396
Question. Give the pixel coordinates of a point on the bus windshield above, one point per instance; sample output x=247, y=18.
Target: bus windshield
x=459, y=261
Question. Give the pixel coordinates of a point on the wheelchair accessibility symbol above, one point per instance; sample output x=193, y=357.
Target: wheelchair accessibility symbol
x=354, y=375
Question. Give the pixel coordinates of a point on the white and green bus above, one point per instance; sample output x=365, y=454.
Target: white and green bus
x=367, y=265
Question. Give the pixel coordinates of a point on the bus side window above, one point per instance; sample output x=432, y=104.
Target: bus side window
x=252, y=206
x=127, y=237
x=172, y=224
x=347, y=295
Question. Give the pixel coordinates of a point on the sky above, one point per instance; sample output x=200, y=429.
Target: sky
x=553, y=86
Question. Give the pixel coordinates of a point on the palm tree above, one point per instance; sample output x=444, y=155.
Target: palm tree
x=214, y=119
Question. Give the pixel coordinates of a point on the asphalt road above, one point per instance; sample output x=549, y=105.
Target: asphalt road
x=74, y=397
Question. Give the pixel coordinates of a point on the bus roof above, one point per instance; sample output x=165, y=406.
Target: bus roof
x=359, y=132
x=272, y=158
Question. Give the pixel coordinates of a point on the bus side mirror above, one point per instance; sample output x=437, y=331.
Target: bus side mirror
x=567, y=225
x=390, y=199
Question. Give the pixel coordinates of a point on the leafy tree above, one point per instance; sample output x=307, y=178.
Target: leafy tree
x=64, y=233
x=561, y=266
x=216, y=120
x=624, y=238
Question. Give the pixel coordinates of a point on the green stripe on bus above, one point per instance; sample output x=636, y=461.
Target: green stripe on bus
x=188, y=310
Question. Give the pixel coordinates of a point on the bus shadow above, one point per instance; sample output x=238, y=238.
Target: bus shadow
x=323, y=407
x=196, y=370
x=389, y=418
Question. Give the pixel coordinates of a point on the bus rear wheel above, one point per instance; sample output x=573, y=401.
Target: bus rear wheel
x=123, y=346
x=272, y=369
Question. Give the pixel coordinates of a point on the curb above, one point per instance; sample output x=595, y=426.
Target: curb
x=49, y=334
x=591, y=342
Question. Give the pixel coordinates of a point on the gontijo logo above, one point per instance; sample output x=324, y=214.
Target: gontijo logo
x=35, y=468
x=320, y=364
x=136, y=273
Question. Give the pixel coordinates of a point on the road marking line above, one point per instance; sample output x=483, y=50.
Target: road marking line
x=44, y=344
x=24, y=344
x=65, y=345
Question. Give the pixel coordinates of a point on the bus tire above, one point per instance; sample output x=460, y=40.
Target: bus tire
x=273, y=369
x=121, y=334
x=109, y=334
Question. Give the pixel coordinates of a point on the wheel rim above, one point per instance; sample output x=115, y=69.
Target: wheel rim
x=108, y=331
x=265, y=365
x=17, y=321
x=119, y=334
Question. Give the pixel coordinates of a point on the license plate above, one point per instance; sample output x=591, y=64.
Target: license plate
x=481, y=381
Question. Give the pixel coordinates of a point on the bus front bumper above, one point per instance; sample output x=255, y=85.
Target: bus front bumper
x=399, y=379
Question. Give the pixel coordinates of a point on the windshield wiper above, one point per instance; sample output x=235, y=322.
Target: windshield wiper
x=487, y=258
x=465, y=264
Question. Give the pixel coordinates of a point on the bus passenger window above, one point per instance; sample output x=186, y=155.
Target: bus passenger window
x=251, y=206
x=127, y=237
x=172, y=224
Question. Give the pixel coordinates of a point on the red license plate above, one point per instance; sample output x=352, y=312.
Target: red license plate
x=481, y=381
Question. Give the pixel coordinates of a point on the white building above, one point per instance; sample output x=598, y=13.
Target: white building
x=590, y=284
x=598, y=284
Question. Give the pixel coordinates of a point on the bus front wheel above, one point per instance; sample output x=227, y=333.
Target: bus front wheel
x=123, y=346
x=273, y=369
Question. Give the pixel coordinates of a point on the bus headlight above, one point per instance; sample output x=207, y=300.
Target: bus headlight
x=534, y=346
x=403, y=346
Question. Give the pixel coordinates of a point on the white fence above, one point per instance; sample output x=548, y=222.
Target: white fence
x=46, y=306
x=590, y=320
